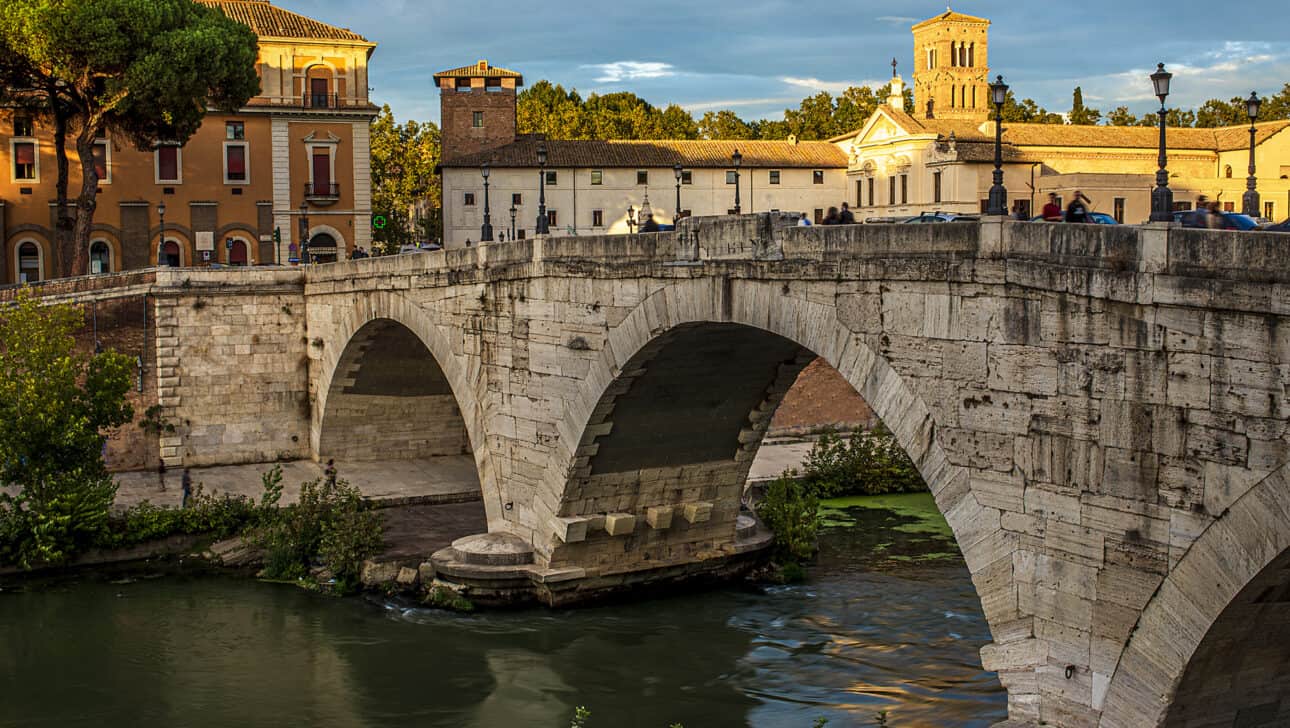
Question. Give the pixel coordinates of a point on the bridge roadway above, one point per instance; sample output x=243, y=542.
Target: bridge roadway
x=1101, y=413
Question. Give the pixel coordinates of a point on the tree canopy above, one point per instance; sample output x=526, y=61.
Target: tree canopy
x=144, y=69
x=404, y=157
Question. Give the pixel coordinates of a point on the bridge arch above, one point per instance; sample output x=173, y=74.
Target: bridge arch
x=401, y=330
x=1226, y=601
x=782, y=316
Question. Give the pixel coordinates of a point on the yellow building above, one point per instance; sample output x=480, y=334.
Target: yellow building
x=299, y=150
x=941, y=157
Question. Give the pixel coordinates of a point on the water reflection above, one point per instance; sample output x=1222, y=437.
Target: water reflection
x=868, y=633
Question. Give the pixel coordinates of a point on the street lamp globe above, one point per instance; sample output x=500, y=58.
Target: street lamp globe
x=483, y=170
x=1160, y=82
x=541, y=154
x=737, y=159
x=999, y=92
x=1252, y=105
x=161, y=210
x=676, y=170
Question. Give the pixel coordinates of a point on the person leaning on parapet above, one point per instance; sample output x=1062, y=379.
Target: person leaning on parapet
x=1077, y=211
x=833, y=218
x=846, y=217
x=1052, y=212
x=650, y=225
x=803, y=221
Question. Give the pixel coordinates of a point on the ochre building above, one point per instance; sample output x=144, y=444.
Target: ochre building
x=298, y=151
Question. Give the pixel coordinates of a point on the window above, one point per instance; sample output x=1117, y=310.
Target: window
x=551, y=178
x=100, y=257
x=974, y=97
x=103, y=161
x=551, y=218
x=470, y=199
x=322, y=171
x=817, y=177
x=597, y=218
x=687, y=177
x=170, y=256
x=26, y=162
x=521, y=233
x=859, y=193
x=167, y=166
x=872, y=202
x=22, y=126
x=732, y=177
x=597, y=177
x=891, y=190
x=642, y=177
x=1178, y=206
x=477, y=120
x=492, y=85
x=235, y=130
x=819, y=216
x=237, y=253
x=236, y=170
x=463, y=85
x=936, y=186
x=774, y=176
x=1269, y=208
x=904, y=189
x=1229, y=207
x=517, y=199
x=1227, y=171
x=1118, y=207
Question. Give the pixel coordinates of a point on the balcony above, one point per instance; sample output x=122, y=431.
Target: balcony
x=320, y=101
x=322, y=193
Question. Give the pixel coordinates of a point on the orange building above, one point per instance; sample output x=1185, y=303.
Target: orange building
x=299, y=152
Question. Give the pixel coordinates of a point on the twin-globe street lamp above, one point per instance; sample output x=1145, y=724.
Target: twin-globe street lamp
x=1250, y=201
x=998, y=202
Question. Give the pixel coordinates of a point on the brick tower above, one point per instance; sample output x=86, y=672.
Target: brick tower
x=951, y=67
x=477, y=108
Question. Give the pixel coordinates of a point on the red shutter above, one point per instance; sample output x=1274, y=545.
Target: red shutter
x=100, y=161
x=168, y=163
x=24, y=153
x=237, y=163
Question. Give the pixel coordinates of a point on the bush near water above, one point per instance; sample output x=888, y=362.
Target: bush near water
x=866, y=463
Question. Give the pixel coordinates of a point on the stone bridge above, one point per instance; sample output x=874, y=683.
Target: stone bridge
x=1100, y=411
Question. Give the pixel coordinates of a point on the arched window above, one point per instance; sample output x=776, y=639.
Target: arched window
x=1227, y=171
x=931, y=108
x=322, y=248
x=962, y=54
x=170, y=255
x=29, y=262
x=100, y=257
x=971, y=55
x=963, y=99
x=954, y=54
x=974, y=97
x=953, y=92
x=237, y=253
x=319, y=93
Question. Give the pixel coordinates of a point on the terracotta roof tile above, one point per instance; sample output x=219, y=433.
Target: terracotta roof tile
x=663, y=153
x=270, y=21
x=479, y=70
x=951, y=16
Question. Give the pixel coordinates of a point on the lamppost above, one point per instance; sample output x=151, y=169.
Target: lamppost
x=1162, y=198
x=304, y=234
x=541, y=218
x=676, y=216
x=1251, y=199
x=513, y=211
x=486, y=230
x=631, y=220
x=998, y=193
x=161, y=240
x=736, y=159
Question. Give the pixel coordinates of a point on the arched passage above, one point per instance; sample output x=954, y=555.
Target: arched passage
x=1213, y=644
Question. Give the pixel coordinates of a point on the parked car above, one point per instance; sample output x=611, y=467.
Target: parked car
x=1281, y=227
x=882, y=220
x=422, y=248
x=935, y=217
x=1231, y=220
x=1096, y=218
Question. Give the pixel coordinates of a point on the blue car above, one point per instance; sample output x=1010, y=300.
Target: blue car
x=1231, y=220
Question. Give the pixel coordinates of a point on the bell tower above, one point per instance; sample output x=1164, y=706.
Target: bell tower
x=951, y=67
x=476, y=108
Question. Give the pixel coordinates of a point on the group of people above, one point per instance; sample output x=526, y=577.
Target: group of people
x=1077, y=211
x=833, y=217
x=359, y=254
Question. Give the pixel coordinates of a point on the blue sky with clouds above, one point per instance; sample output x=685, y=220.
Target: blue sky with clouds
x=759, y=56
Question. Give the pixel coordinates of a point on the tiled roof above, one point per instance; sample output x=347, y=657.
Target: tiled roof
x=481, y=69
x=270, y=21
x=1232, y=138
x=698, y=154
x=951, y=16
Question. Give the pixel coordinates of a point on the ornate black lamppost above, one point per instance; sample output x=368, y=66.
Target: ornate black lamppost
x=998, y=204
x=736, y=159
x=542, y=228
x=513, y=211
x=486, y=230
x=161, y=241
x=676, y=216
x=304, y=234
x=1162, y=198
x=631, y=220
x=1250, y=202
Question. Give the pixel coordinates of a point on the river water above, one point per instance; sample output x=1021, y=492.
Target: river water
x=887, y=621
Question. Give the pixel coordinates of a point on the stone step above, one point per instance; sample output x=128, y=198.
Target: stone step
x=492, y=549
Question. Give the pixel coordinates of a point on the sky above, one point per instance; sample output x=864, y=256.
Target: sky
x=758, y=57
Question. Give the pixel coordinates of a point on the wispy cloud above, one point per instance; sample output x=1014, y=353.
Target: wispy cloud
x=833, y=87
x=897, y=19
x=733, y=103
x=620, y=71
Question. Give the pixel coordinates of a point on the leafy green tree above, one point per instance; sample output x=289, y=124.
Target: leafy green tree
x=1173, y=117
x=814, y=119
x=548, y=109
x=677, y=123
x=56, y=405
x=144, y=69
x=1028, y=112
x=724, y=124
x=1121, y=116
x=1081, y=114
x=404, y=157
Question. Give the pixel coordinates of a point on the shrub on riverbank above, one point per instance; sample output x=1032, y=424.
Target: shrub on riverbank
x=56, y=404
x=791, y=509
x=218, y=517
x=866, y=463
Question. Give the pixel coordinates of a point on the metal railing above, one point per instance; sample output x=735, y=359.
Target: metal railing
x=320, y=101
x=329, y=190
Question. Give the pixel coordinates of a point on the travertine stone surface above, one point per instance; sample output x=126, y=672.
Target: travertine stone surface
x=1106, y=429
